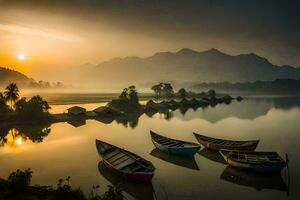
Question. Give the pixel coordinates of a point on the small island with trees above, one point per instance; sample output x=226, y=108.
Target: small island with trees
x=125, y=109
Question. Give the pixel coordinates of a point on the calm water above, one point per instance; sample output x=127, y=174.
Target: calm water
x=62, y=149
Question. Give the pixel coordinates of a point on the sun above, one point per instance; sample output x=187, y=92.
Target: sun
x=21, y=56
x=19, y=141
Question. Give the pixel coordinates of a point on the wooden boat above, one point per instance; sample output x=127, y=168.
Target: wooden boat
x=172, y=146
x=125, y=163
x=217, y=144
x=136, y=189
x=254, y=161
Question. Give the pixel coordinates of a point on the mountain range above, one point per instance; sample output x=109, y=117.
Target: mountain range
x=186, y=65
x=183, y=66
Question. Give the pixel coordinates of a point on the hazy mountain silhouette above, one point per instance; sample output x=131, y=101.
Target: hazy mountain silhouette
x=7, y=76
x=189, y=65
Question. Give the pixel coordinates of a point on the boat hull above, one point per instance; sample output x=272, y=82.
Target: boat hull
x=144, y=177
x=187, y=151
x=216, y=147
x=256, y=167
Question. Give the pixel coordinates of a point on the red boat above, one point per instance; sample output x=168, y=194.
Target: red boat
x=125, y=163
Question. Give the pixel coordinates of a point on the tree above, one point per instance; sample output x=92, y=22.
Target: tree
x=168, y=90
x=19, y=180
x=3, y=106
x=133, y=95
x=157, y=89
x=35, y=108
x=11, y=93
x=182, y=93
x=211, y=93
x=124, y=94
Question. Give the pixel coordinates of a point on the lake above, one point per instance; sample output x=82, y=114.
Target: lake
x=68, y=149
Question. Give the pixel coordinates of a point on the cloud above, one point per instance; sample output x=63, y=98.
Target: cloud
x=51, y=34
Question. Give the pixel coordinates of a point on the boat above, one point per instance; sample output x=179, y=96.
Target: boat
x=125, y=163
x=176, y=147
x=138, y=190
x=259, y=181
x=217, y=144
x=254, y=161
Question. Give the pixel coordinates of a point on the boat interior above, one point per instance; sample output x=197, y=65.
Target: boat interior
x=123, y=160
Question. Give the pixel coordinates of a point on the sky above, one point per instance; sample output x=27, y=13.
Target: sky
x=60, y=34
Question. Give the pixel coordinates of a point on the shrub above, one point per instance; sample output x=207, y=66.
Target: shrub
x=19, y=180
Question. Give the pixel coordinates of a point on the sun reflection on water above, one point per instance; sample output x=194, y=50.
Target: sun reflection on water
x=19, y=141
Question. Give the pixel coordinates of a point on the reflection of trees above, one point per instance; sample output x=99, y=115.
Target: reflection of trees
x=3, y=132
x=34, y=133
x=183, y=109
x=168, y=114
x=130, y=120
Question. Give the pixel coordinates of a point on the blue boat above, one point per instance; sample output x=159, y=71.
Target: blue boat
x=254, y=161
x=176, y=147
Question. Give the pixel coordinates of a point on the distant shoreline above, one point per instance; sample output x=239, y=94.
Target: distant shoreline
x=64, y=99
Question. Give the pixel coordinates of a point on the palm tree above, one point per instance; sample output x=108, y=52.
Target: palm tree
x=1, y=96
x=11, y=93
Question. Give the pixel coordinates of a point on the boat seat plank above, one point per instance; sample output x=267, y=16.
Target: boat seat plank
x=136, y=169
x=120, y=160
x=125, y=164
x=162, y=140
x=111, y=154
x=114, y=158
x=104, y=148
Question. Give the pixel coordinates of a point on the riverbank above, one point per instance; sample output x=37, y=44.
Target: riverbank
x=122, y=115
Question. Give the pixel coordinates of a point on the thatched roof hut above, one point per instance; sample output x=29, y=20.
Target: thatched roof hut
x=76, y=110
x=106, y=111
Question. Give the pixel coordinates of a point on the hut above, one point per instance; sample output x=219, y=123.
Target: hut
x=76, y=110
x=106, y=111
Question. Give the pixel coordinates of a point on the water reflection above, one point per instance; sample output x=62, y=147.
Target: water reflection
x=77, y=122
x=249, y=108
x=258, y=181
x=135, y=189
x=189, y=162
x=129, y=120
x=16, y=136
x=105, y=120
x=212, y=155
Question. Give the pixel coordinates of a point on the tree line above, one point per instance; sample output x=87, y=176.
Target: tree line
x=165, y=90
x=11, y=103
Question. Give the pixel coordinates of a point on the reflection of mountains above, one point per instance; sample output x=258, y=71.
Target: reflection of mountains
x=186, y=162
x=136, y=189
x=250, y=108
x=258, y=181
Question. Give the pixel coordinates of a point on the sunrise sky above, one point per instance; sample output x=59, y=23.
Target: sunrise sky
x=39, y=36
